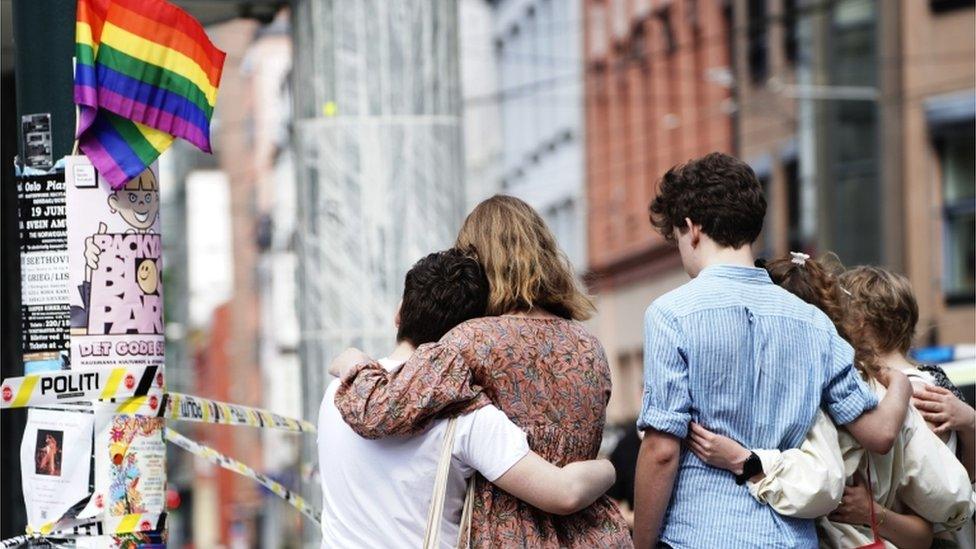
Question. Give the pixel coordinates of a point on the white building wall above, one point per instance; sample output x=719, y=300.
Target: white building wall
x=480, y=107
x=537, y=45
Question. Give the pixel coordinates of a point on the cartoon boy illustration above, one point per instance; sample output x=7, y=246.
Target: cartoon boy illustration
x=137, y=203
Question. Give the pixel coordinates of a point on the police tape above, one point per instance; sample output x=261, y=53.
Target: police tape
x=193, y=408
x=215, y=457
x=70, y=528
x=66, y=386
x=156, y=403
x=150, y=404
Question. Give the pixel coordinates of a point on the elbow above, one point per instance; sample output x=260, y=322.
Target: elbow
x=567, y=505
x=664, y=455
x=881, y=443
x=571, y=501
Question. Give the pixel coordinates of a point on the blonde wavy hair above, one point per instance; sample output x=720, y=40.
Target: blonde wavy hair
x=525, y=268
x=882, y=310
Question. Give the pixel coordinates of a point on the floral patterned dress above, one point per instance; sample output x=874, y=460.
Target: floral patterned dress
x=552, y=379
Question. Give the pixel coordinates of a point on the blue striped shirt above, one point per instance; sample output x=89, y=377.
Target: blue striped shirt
x=746, y=359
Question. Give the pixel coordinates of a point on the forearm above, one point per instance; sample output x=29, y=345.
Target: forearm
x=877, y=429
x=657, y=466
x=906, y=531
x=558, y=490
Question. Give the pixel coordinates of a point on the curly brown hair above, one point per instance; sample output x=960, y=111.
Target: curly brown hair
x=813, y=281
x=718, y=192
x=882, y=310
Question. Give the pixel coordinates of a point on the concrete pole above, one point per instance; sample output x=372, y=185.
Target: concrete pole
x=379, y=159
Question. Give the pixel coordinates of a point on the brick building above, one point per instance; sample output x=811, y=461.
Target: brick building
x=657, y=94
x=858, y=117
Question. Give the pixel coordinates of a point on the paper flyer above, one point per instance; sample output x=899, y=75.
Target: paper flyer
x=55, y=461
x=43, y=266
x=130, y=474
x=115, y=265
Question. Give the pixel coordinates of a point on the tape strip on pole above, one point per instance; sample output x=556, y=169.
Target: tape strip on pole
x=67, y=386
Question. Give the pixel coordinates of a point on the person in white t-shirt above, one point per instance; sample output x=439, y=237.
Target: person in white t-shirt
x=376, y=493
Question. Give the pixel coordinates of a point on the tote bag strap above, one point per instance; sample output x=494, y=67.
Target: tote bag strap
x=464, y=533
x=436, y=511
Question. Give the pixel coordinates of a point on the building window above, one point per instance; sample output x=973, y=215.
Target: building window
x=790, y=22
x=955, y=146
x=758, y=38
x=667, y=30
x=597, y=27
x=764, y=244
x=791, y=176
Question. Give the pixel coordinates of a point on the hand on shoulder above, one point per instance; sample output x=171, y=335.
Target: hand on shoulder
x=346, y=361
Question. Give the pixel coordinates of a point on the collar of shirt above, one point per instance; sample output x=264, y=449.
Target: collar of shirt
x=737, y=272
x=390, y=365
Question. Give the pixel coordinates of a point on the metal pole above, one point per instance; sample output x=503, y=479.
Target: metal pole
x=44, y=35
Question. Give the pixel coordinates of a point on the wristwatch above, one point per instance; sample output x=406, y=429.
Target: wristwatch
x=751, y=468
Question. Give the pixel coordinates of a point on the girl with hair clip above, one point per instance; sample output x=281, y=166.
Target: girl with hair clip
x=916, y=485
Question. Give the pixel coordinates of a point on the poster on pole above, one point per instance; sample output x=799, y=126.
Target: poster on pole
x=43, y=271
x=115, y=266
x=55, y=461
x=130, y=466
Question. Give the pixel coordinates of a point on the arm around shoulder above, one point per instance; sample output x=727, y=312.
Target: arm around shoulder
x=378, y=403
x=877, y=429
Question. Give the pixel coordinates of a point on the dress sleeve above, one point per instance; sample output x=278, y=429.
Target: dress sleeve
x=845, y=395
x=933, y=482
x=435, y=381
x=805, y=482
x=667, y=400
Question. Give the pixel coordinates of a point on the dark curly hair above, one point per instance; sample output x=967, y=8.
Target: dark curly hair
x=441, y=291
x=718, y=192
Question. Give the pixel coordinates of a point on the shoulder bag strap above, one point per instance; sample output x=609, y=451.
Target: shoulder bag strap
x=464, y=533
x=436, y=511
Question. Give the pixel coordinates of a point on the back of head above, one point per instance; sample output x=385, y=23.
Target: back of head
x=718, y=192
x=882, y=310
x=524, y=266
x=812, y=281
x=441, y=291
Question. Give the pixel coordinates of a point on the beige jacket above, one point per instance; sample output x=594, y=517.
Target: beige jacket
x=919, y=474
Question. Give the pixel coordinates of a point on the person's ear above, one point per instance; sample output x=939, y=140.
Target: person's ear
x=113, y=203
x=396, y=316
x=695, y=231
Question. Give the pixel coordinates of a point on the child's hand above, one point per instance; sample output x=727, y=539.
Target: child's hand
x=717, y=450
x=346, y=361
x=943, y=409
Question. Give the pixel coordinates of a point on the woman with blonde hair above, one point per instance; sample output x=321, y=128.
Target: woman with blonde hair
x=530, y=356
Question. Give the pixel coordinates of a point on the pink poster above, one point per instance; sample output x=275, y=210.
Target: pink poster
x=115, y=262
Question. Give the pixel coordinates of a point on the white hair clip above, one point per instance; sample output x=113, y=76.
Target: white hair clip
x=799, y=258
x=846, y=291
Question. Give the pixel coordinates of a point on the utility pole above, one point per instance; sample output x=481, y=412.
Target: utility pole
x=44, y=37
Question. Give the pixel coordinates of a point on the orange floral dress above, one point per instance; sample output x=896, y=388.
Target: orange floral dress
x=549, y=375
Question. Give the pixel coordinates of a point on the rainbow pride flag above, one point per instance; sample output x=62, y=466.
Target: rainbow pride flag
x=145, y=73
